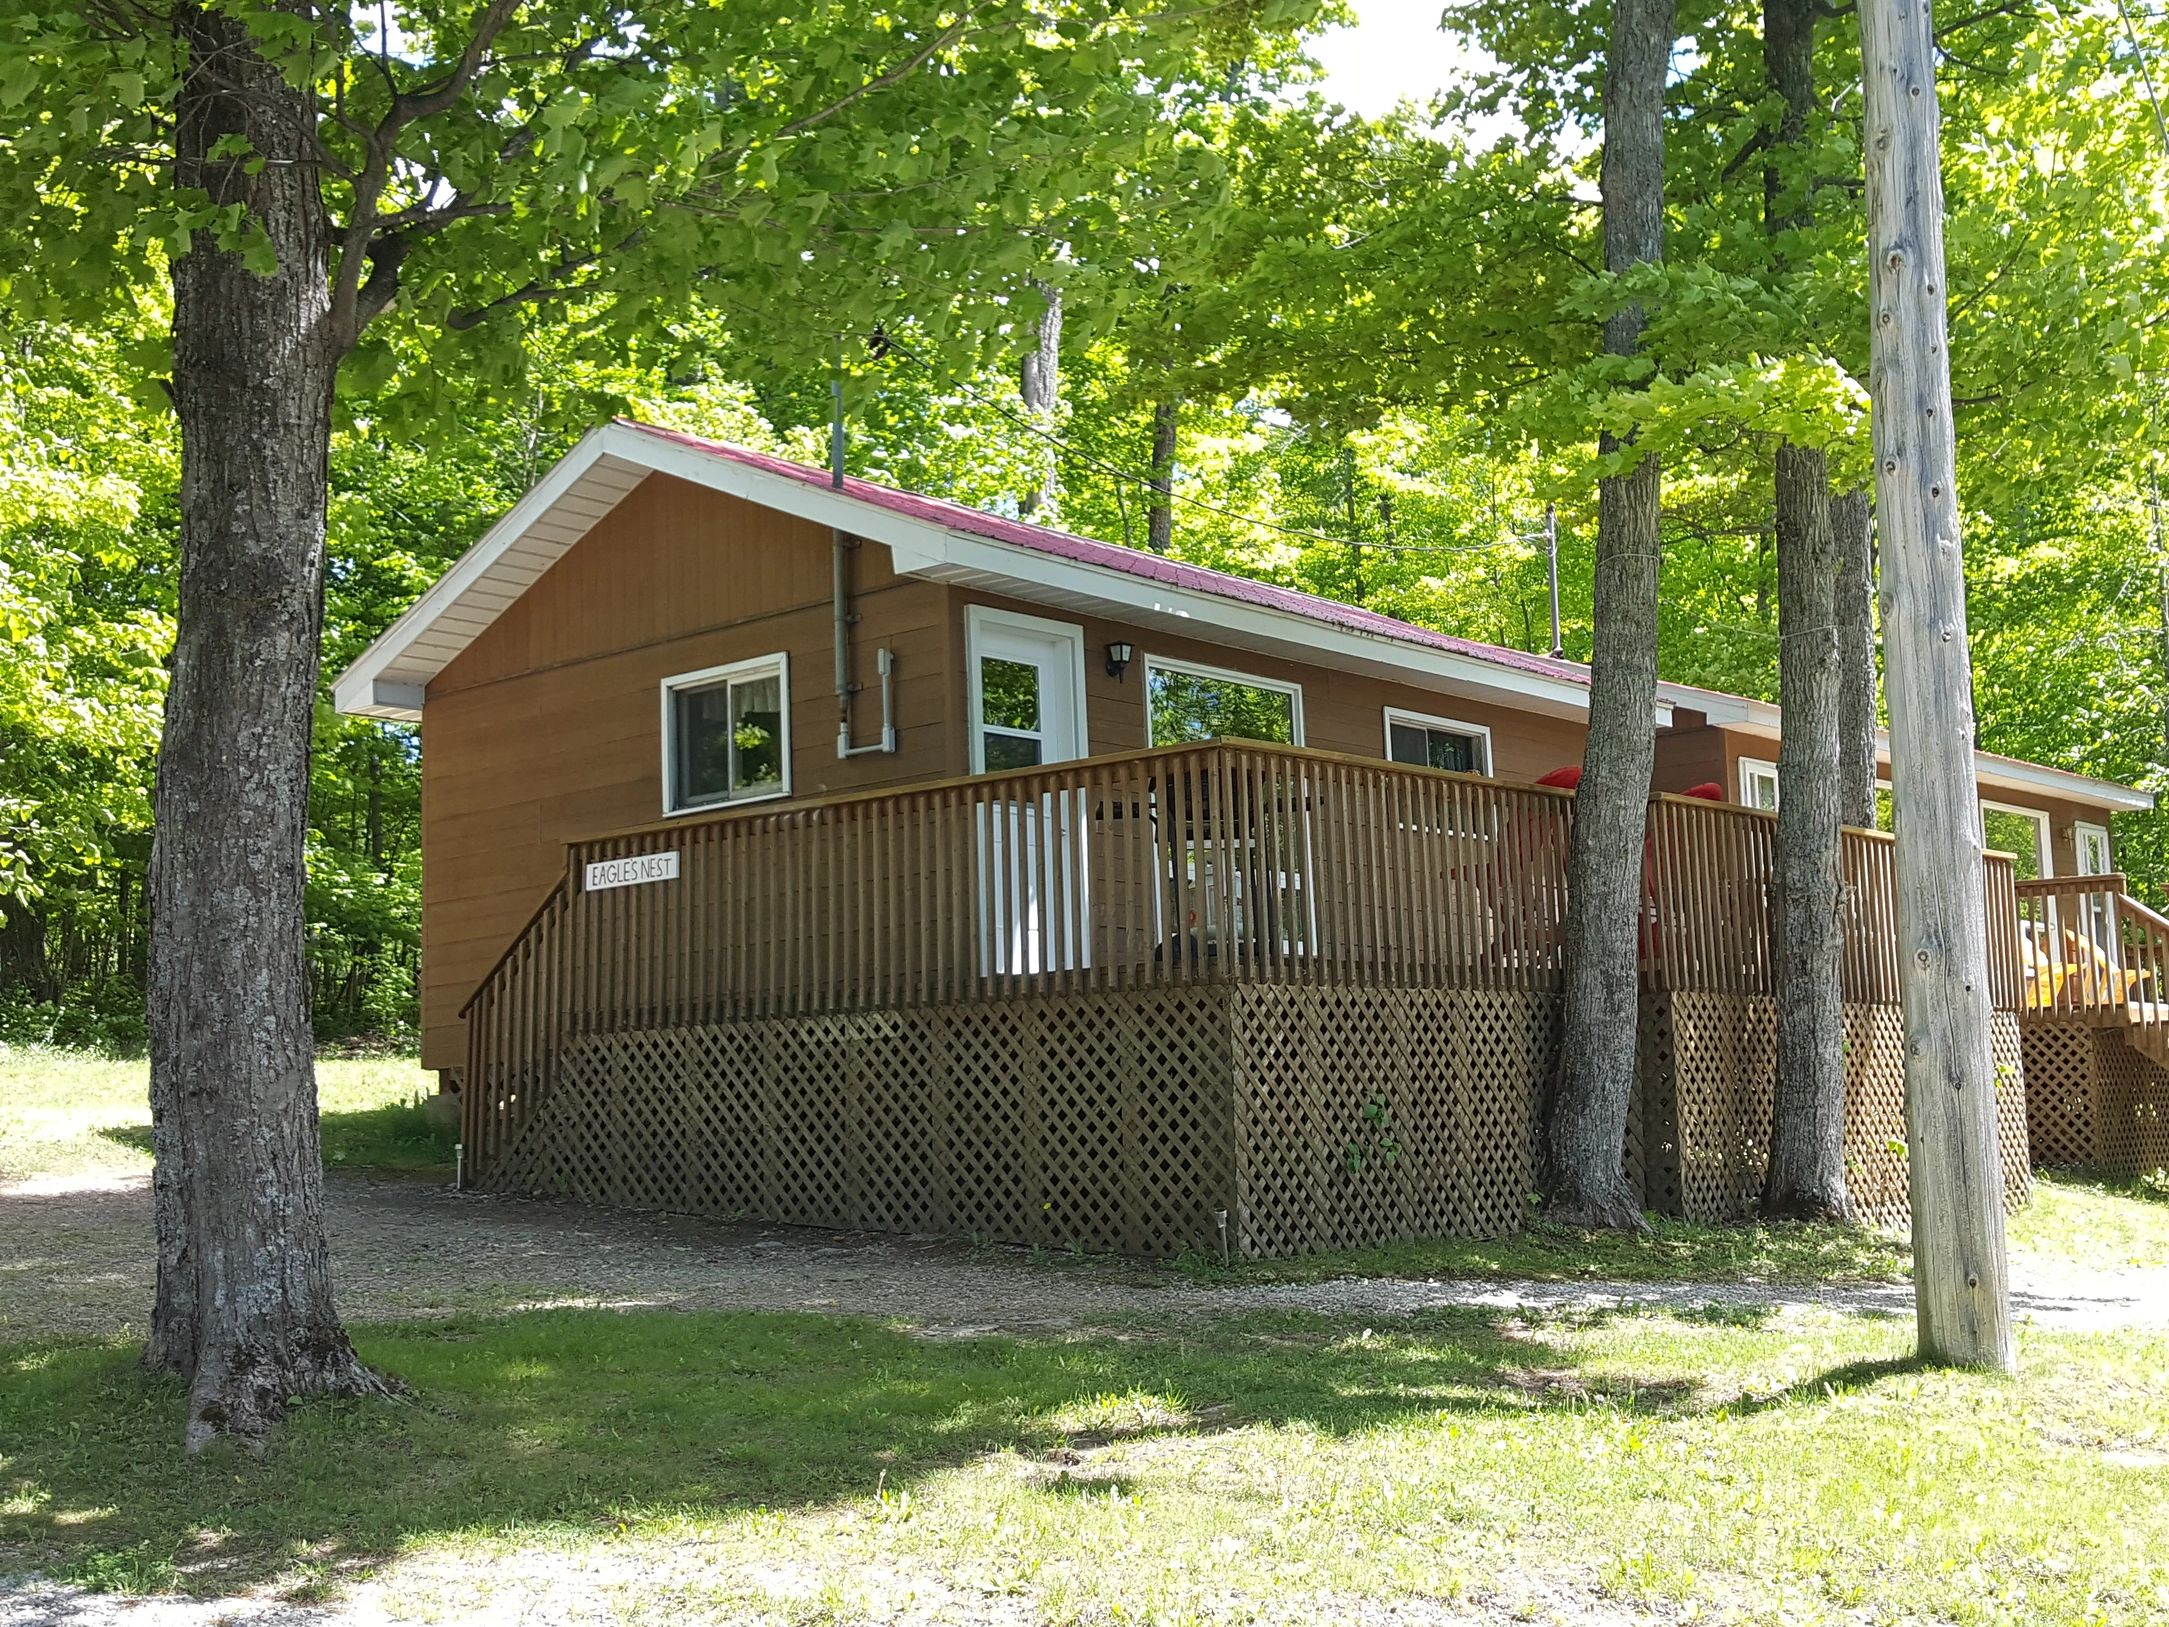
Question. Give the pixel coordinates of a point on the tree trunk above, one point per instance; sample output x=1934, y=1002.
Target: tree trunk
x=1961, y=1292
x=1805, y=1179
x=244, y=1304
x=1852, y=531
x=1040, y=385
x=1160, y=518
x=1584, y=1183
x=1806, y=1175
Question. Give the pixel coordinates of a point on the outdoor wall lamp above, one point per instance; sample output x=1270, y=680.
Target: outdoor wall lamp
x=1118, y=658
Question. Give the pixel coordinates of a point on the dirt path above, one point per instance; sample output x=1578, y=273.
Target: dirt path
x=75, y=1259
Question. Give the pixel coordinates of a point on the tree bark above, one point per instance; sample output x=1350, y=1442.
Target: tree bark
x=1852, y=530
x=1961, y=1291
x=1584, y=1182
x=1805, y=1178
x=1160, y=517
x=1040, y=385
x=1806, y=1175
x=244, y=1305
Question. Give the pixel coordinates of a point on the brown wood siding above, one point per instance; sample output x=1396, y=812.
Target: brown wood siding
x=1692, y=753
x=1342, y=711
x=547, y=728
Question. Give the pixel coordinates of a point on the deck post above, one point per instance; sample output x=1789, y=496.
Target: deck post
x=1961, y=1293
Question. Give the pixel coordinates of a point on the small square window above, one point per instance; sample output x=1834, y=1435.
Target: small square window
x=726, y=735
x=1436, y=742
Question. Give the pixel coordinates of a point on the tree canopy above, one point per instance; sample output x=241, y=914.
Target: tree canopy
x=1383, y=336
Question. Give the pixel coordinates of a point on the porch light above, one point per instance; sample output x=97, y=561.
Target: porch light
x=1118, y=658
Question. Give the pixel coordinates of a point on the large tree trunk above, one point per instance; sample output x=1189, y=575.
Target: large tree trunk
x=1584, y=1183
x=1160, y=517
x=1040, y=385
x=1960, y=1287
x=1806, y=1175
x=1805, y=1179
x=1852, y=530
x=244, y=1305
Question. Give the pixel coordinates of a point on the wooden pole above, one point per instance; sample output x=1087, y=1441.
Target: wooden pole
x=1960, y=1289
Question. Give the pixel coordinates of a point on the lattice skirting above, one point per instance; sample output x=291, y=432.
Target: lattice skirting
x=1101, y=1124
x=1709, y=1070
x=1364, y=1115
x=2093, y=1101
x=1308, y=1118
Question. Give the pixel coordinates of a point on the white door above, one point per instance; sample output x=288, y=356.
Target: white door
x=1026, y=693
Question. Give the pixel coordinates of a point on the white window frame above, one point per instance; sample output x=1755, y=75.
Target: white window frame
x=2047, y=847
x=1198, y=669
x=979, y=616
x=2080, y=830
x=1426, y=720
x=780, y=664
x=1752, y=769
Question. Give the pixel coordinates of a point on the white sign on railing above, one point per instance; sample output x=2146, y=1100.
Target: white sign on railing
x=641, y=867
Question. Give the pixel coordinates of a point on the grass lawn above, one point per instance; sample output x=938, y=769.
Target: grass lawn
x=807, y=1469
x=72, y=1112
x=2095, y=1221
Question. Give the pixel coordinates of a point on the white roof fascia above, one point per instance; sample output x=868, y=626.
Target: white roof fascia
x=357, y=690
x=922, y=547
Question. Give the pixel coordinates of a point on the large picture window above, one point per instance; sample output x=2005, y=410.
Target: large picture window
x=1437, y=742
x=726, y=735
x=1187, y=703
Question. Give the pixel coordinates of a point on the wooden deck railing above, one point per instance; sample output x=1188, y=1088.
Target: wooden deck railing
x=2090, y=951
x=1227, y=860
x=1709, y=880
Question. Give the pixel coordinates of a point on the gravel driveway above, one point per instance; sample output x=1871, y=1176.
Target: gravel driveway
x=75, y=1258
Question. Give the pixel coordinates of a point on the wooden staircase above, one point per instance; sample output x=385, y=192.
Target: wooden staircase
x=2093, y=954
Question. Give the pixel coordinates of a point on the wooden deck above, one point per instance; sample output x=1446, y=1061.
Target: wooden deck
x=1166, y=999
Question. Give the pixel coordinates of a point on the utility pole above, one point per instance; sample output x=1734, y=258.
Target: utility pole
x=1549, y=537
x=1551, y=569
x=1961, y=1291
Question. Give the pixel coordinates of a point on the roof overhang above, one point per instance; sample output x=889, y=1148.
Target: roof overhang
x=1991, y=771
x=388, y=679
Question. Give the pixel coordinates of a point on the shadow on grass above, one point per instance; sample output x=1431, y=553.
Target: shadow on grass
x=405, y=1136
x=577, y=1420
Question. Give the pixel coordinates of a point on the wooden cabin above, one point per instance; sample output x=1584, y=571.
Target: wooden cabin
x=829, y=853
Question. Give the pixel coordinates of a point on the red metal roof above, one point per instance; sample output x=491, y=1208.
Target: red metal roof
x=1131, y=561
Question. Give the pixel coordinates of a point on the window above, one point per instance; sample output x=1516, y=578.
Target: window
x=1437, y=742
x=1185, y=703
x=2091, y=844
x=2021, y=832
x=726, y=735
x=1758, y=784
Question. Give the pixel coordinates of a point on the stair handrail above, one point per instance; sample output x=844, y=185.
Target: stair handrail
x=2107, y=961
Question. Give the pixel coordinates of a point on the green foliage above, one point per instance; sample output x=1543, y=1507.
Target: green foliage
x=1382, y=337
